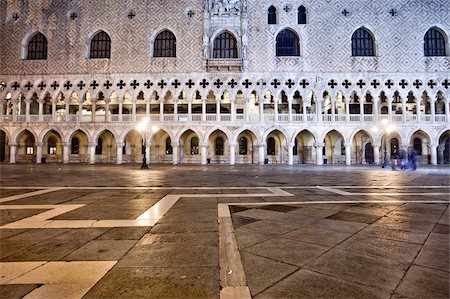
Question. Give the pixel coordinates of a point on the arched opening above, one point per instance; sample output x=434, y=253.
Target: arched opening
x=304, y=142
x=100, y=46
x=79, y=147
x=165, y=45
x=105, y=151
x=132, y=147
x=247, y=151
x=287, y=43
x=362, y=149
x=272, y=15
x=225, y=46
x=26, y=147
x=334, y=148
x=37, y=47
x=218, y=147
x=4, y=149
x=53, y=150
x=444, y=148
x=161, y=150
x=363, y=43
x=434, y=43
x=189, y=147
x=276, y=148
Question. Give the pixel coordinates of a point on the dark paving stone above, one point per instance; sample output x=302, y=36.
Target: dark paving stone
x=354, y=217
x=8, y=247
x=380, y=248
x=188, y=282
x=438, y=241
x=317, y=236
x=380, y=231
x=278, y=208
x=185, y=227
x=11, y=192
x=38, y=234
x=246, y=238
x=420, y=282
x=308, y=284
x=237, y=209
x=310, y=211
x=241, y=221
x=5, y=233
x=288, y=251
x=124, y=233
x=81, y=234
x=262, y=273
x=378, y=273
x=433, y=258
x=101, y=250
x=13, y=291
x=8, y=216
x=50, y=250
x=408, y=225
x=338, y=225
x=441, y=229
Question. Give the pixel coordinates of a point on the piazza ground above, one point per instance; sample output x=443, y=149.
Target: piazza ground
x=101, y=231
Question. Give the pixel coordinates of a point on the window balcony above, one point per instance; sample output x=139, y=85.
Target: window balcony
x=224, y=64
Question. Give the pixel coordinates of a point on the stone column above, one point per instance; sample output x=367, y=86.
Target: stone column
x=53, y=110
x=319, y=157
x=440, y=152
x=39, y=148
x=261, y=110
x=275, y=110
x=291, y=154
x=174, y=153
x=246, y=112
x=14, y=111
x=27, y=111
x=233, y=109
x=12, y=153
x=347, y=109
x=218, y=111
x=80, y=112
x=204, y=110
x=92, y=146
x=404, y=110
x=147, y=110
x=190, y=111
x=333, y=110
x=375, y=110
x=319, y=109
x=232, y=154
x=133, y=111
x=261, y=153
x=41, y=111
x=148, y=145
x=304, y=109
x=93, y=111
x=66, y=152
x=119, y=146
x=348, y=154
x=433, y=109
x=107, y=118
x=204, y=154
x=389, y=108
x=67, y=108
x=120, y=111
x=433, y=149
x=175, y=111
x=290, y=108
x=418, y=109
x=376, y=154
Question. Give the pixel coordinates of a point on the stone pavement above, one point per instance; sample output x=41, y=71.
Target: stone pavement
x=72, y=231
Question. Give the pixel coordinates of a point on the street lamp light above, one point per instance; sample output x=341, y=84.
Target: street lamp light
x=387, y=128
x=142, y=127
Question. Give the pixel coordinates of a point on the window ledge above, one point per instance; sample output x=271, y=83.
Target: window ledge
x=224, y=64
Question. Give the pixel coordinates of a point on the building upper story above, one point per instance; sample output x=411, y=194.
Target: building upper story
x=57, y=37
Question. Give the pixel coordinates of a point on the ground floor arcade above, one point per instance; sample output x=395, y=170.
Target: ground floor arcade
x=220, y=145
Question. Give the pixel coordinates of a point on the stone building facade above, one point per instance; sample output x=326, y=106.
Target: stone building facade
x=224, y=81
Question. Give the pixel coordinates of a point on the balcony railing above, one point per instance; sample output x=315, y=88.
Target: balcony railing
x=297, y=118
x=440, y=118
x=283, y=118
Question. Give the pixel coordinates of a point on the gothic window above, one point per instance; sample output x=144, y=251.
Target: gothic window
x=243, y=146
x=219, y=146
x=99, y=147
x=51, y=145
x=301, y=15
x=225, y=46
x=287, y=43
x=169, y=149
x=37, y=47
x=100, y=46
x=362, y=43
x=194, y=146
x=272, y=15
x=29, y=145
x=434, y=43
x=418, y=146
x=271, y=146
x=75, y=146
x=165, y=45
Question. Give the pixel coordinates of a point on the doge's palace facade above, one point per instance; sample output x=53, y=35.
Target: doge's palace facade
x=224, y=81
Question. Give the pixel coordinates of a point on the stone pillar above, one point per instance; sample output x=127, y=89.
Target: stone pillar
x=333, y=110
x=291, y=154
x=66, y=152
x=319, y=103
x=107, y=118
x=347, y=109
x=440, y=154
x=375, y=109
x=218, y=111
x=39, y=148
x=119, y=151
x=147, y=110
x=175, y=111
x=41, y=111
x=418, y=109
x=12, y=153
x=319, y=157
x=204, y=110
x=174, y=153
x=275, y=110
x=133, y=111
x=390, y=108
x=80, y=112
x=290, y=108
x=404, y=110
x=161, y=111
x=148, y=145
x=92, y=146
x=348, y=154
x=376, y=154
x=232, y=154
x=433, y=149
x=261, y=153
x=120, y=111
x=246, y=112
x=261, y=110
x=433, y=109
x=27, y=111
x=93, y=111
x=233, y=110
x=53, y=110
x=66, y=113
x=190, y=111
x=204, y=154
x=304, y=109
x=14, y=111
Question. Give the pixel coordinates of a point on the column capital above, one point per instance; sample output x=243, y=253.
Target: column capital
x=65, y=143
x=261, y=145
x=319, y=144
x=119, y=144
x=14, y=144
x=174, y=144
x=39, y=144
x=92, y=143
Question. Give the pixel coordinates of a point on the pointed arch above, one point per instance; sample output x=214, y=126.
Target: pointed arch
x=37, y=47
x=225, y=46
x=287, y=43
x=272, y=15
x=435, y=42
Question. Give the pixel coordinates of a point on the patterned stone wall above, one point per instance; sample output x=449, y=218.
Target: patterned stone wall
x=325, y=39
